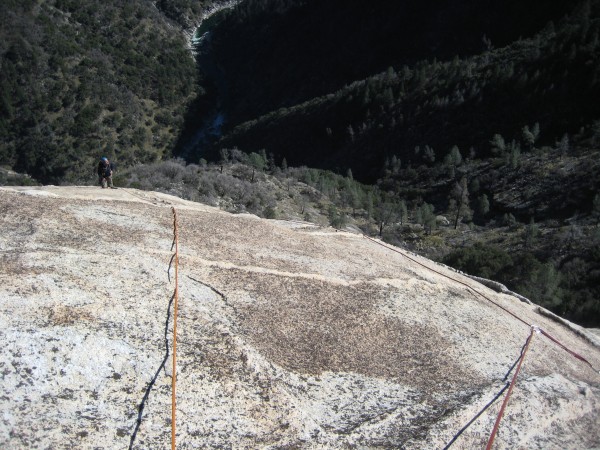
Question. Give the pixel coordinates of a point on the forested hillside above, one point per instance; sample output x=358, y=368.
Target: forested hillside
x=468, y=131
x=547, y=82
x=81, y=78
x=280, y=53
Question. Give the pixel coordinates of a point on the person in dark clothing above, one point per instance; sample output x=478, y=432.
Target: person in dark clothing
x=105, y=171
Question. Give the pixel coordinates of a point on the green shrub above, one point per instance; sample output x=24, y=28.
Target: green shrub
x=269, y=213
x=480, y=260
x=337, y=219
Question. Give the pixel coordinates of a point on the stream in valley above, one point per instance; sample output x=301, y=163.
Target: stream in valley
x=210, y=126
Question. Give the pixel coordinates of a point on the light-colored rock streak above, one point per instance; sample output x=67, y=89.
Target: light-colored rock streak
x=225, y=265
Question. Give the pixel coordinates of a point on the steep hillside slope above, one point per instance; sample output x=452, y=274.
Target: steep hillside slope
x=280, y=53
x=546, y=83
x=289, y=335
x=84, y=78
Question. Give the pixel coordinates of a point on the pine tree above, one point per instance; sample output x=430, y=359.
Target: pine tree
x=563, y=145
x=366, y=96
x=257, y=161
x=515, y=155
x=427, y=217
x=385, y=213
x=369, y=206
x=596, y=209
x=454, y=157
x=498, y=144
x=429, y=155
x=388, y=97
x=224, y=153
x=403, y=212
x=337, y=219
x=530, y=136
x=395, y=165
x=271, y=162
x=483, y=205
x=350, y=131
x=390, y=74
x=459, y=201
x=531, y=233
x=544, y=286
x=509, y=220
x=355, y=198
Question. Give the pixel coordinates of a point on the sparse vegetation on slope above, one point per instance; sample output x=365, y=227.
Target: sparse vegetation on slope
x=535, y=91
x=556, y=263
x=80, y=79
x=281, y=53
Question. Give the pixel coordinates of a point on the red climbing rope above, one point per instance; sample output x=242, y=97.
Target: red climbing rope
x=576, y=355
x=512, y=385
x=475, y=291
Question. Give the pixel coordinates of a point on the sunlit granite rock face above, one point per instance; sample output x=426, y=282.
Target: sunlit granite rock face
x=289, y=336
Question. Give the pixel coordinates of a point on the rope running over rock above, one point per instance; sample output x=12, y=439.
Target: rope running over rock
x=475, y=291
x=534, y=328
x=490, y=403
x=173, y=301
x=512, y=385
x=176, y=298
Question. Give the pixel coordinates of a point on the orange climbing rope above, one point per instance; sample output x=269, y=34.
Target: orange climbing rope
x=176, y=295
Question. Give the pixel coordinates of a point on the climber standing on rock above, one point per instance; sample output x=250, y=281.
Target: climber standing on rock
x=105, y=171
